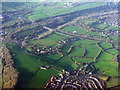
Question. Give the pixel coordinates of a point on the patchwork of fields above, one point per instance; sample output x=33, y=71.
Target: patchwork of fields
x=81, y=39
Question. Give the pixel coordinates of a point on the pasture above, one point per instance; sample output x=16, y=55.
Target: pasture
x=43, y=11
x=50, y=40
x=107, y=68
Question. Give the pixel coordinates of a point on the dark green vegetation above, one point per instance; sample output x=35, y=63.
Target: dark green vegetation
x=84, y=41
x=27, y=65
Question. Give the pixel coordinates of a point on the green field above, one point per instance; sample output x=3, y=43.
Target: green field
x=105, y=45
x=66, y=64
x=50, y=40
x=107, y=68
x=87, y=21
x=112, y=51
x=58, y=9
x=84, y=51
x=91, y=50
x=77, y=52
x=79, y=30
x=82, y=42
x=104, y=56
x=89, y=46
x=54, y=57
x=27, y=65
x=99, y=26
x=73, y=28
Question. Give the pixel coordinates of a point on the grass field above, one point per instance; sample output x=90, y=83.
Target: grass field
x=27, y=65
x=66, y=64
x=24, y=33
x=87, y=21
x=104, y=56
x=65, y=49
x=96, y=50
x=73, y=28
x=113, y=51
x=77, y=52
x=57, y=9
x=91, y=50
x=107, y=68
x=79, y=30
x=50, y=39
x=86, y=48
x=99, y=26
x=105, y=45
x=86, y=42
x=54, y=57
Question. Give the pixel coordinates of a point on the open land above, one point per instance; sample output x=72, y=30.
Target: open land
x=62, y=36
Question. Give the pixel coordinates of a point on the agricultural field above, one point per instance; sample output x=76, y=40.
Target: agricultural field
x=50, y=40
x=87, y=21
x=105, y=45
x=79, y=30
x=27, y=66
x=63, y=36
x=95, y=50
x=58, y=9
x=112, y=51
x=86, y=46
x=66, y=64
x=77, y=52
x=99, y=26
x=107, y=68
x=73, y=28
x=105, y=57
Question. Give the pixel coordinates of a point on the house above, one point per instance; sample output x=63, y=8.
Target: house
x=44, y=67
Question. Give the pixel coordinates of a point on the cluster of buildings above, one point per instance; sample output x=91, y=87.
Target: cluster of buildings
x=48, y=50
x=68, y=81
x=110, y=32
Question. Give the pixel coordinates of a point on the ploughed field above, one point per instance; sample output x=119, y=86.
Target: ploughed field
x=62, y=46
